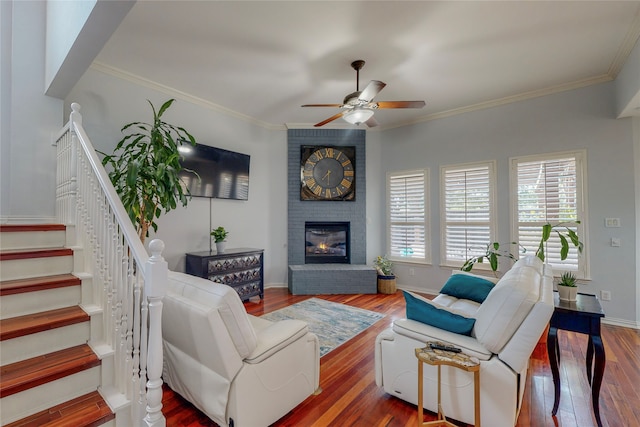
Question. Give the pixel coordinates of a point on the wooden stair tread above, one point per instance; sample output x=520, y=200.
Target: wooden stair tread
x=87, y=410
x=7, y=228
x=26, y=374
x=18, y=286
x=13, y=254
x=37, y=322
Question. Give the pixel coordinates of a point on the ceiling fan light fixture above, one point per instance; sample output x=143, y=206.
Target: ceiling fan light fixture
x=357, y=115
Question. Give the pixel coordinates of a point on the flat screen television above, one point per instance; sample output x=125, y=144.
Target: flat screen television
x=223, y=174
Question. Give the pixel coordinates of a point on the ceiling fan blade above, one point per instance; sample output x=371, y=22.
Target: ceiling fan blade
x=372, y=122
x=400, y=104
x=322, y=105
x=372, y=89
x=330, y=119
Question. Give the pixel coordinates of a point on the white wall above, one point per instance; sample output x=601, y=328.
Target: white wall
x=65, y=19
x=29, y=118
x=628, y=85
x=76, y=31
x=636, y=157
x=109, y=102
x=376, y=190
x=578, y=119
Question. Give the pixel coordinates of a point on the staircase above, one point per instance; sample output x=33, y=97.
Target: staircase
x=81, y=306
x=50, y=374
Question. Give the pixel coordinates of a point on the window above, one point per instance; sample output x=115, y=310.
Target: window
x=406, y=216
x=550, y=188
x=467, y=211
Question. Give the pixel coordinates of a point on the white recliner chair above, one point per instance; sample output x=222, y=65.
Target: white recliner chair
x=508, y=325
x=240, y=370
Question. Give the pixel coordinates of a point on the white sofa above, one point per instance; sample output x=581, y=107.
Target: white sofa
x=240, y=370
x=508, y=325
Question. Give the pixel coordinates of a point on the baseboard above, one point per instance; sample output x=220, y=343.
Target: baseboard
x=276, y=285
x=621, y=322
x=433, y=292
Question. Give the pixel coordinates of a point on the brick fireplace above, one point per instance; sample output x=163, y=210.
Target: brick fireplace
x=327, y=277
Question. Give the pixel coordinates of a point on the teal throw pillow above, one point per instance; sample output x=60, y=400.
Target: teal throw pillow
x=464, y=286
x=425, y=311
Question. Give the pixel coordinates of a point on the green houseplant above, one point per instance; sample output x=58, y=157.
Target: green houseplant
x=491, y=254
x=565, y=234
x=386, y=277
x=144, y=169
x=219, y=234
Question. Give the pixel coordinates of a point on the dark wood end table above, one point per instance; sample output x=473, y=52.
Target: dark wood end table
x=582, y=316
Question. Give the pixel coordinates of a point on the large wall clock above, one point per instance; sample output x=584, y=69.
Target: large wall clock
x=327, y=173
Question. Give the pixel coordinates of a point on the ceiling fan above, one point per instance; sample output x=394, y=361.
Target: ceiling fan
x=359, y=106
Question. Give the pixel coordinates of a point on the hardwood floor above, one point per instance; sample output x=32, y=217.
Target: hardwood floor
x=350, y=396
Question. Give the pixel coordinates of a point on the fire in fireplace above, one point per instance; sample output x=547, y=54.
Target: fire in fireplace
x=327, y=242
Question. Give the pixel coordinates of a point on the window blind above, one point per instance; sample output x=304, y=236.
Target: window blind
x=467, y=211
x=406, y=213
x=549, y=191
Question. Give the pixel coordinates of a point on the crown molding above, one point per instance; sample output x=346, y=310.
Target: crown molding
x=174, y=93
x=630, y=40
x=508, y=100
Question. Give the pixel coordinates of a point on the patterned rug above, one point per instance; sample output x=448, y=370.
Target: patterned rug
x=333, y=323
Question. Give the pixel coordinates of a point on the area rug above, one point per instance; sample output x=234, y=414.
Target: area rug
x=333, y=323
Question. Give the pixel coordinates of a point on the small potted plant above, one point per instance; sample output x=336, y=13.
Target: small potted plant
x=386, y=278
x=567, y=287
x=219, y=234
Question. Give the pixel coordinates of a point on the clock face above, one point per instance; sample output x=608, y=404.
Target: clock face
x=327, y=173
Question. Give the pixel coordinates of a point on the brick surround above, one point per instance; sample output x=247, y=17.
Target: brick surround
x=301, y=211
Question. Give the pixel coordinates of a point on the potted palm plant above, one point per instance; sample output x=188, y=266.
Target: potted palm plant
x=219, y=235
x=386, y=278
x=144, y=169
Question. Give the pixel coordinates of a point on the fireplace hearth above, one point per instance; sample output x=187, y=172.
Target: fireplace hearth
x=327, y=242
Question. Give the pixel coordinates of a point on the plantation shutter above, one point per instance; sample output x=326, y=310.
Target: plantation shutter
x=406, y=214
x=549, y=191
x=467, y=211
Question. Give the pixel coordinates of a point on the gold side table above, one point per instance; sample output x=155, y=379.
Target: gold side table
x=438, y=358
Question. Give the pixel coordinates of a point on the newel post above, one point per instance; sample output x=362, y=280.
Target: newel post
x=156, y=278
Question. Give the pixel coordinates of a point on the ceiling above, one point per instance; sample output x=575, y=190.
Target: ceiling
x=262, y=60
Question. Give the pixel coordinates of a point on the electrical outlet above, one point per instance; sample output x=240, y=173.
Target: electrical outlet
x=412, y=272
x=605, y=295
x=612, y=222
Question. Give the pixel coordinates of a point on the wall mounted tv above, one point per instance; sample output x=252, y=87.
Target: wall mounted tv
x=223, y=174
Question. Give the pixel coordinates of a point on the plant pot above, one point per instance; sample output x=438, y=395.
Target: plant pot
x=567, y=293
x=220, y=247
x=386, y=284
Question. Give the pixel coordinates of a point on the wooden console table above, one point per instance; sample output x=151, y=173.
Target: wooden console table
x=240, y=268
x=582, y=316
x=457, y=360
